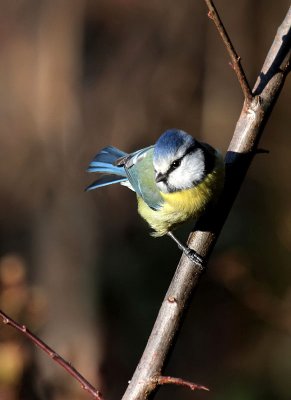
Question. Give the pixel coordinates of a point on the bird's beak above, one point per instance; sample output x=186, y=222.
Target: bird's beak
x=161, y=177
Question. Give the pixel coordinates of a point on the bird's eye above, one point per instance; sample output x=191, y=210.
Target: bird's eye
x=175, y=164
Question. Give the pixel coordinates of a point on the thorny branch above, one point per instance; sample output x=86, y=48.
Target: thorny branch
x=53, y=355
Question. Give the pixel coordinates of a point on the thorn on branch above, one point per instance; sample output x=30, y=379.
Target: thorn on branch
x=170, y=380
x=262, y=151
x=231, y=65
x=172, y=299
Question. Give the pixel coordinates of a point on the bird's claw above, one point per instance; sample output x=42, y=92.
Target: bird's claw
x=194, y=257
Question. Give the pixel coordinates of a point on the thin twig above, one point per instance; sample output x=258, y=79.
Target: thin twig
x=53, y=355
x=166, y=380
x=235, y=58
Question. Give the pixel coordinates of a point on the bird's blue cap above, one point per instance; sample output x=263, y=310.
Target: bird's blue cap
x=170, y=141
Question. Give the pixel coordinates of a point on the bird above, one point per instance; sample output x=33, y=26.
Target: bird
x=174, y=180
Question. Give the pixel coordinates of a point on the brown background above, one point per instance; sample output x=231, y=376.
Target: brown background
x=80, y=268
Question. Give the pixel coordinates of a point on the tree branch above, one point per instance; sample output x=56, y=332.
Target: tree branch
x=53, y=355
x=235, y=58
x=169, y=380
x=239, y=156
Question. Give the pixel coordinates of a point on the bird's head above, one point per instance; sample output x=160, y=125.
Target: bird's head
x=179, y=161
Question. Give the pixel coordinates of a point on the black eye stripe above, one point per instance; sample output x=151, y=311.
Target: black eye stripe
x=209, y=158
x=175, y=164
x=188, y=151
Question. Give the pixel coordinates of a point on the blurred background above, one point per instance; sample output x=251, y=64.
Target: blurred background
x=80, y=269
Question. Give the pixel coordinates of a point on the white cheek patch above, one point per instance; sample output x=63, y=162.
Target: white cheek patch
x=190, y=171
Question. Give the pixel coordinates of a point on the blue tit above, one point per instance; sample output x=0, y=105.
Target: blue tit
x=174, y=180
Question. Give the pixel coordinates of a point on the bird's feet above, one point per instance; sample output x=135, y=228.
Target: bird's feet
x=193, y=256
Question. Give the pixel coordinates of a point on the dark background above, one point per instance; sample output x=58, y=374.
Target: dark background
x=80, y=269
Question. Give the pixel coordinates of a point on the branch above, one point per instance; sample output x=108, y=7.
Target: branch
x=166, y=380
x=53, y=355
x=235, y=58
x=240, y=154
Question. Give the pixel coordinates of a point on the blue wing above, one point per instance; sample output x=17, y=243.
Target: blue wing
x=104, y=181
x=135, y=169
x=104, y=162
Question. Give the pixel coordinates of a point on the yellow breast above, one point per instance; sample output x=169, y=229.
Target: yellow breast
x=183, y=205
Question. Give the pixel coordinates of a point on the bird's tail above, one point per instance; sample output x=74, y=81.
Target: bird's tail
x=104, y=162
